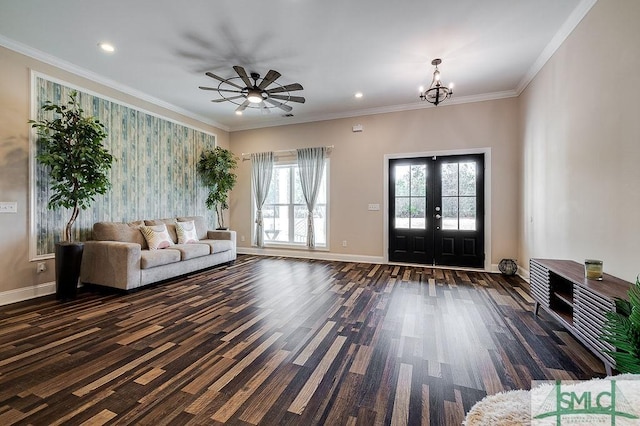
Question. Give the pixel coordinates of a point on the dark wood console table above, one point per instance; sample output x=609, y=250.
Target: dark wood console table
x=579, y=304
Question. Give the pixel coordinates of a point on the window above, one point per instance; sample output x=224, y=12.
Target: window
x=410, y=196
x=284, y=212
x=459, y=196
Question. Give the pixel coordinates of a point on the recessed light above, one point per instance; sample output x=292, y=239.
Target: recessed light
x=238, y=112
x=107, y=47
x=359, y=95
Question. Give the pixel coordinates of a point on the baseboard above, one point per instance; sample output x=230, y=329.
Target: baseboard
x=22, y=294
x=319, y=255
x=523, y=273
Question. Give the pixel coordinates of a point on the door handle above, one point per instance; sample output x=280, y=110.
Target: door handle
x=438, y=216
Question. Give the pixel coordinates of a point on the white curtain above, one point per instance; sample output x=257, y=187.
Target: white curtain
x=311, y=167
x=261, y=171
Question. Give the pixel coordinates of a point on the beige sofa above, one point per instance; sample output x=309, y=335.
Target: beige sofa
x=119, y=257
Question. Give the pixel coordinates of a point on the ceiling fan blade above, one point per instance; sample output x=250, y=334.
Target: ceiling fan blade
x=264, y=108
x=229, y=90
x=243, y=106
x=243, y=75
x=299, y=99
x=227, y=99
x=212, y=75
x=287, y=88
x=282, y=106
x=269, y=78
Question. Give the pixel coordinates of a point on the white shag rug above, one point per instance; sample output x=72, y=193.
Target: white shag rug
x=513, y=408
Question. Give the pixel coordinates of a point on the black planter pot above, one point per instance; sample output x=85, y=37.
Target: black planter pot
x=68, y=260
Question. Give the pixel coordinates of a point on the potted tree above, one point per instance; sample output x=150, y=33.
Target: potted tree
x=622, y=330
x=70, y=146
x=216, y=171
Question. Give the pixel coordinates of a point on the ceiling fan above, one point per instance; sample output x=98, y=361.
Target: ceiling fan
x=255, y=94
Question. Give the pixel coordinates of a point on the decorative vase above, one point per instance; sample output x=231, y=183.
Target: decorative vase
x=68, y=261
x=508, y=266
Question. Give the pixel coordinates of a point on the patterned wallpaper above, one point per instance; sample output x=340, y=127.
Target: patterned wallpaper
x=154, y=175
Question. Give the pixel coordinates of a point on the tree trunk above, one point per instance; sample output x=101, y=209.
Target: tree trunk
x=220, y=217
x=68, y=236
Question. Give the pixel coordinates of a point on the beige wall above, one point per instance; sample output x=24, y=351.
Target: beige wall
x=357, y=166
x=581, y=146
x=19, y=276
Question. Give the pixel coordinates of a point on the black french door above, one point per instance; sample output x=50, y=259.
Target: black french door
x=436, y=210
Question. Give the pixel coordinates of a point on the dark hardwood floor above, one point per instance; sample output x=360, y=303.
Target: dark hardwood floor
x=279, y=341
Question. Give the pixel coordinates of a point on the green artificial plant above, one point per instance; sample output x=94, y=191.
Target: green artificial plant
x=622, y=330
x=216, y=168
x=70, y=146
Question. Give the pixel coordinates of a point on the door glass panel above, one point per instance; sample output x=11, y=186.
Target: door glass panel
x=449, y=179
x=468, y=213
x=403, y=180
x=417, y=213
x=468, y=179
x=449, y=212
x=402, y=212
x=418, y=180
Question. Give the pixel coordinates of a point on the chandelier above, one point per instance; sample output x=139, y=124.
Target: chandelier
x=436, y=93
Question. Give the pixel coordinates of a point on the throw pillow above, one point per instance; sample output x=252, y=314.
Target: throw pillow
x=157, y=236
x=186, y=232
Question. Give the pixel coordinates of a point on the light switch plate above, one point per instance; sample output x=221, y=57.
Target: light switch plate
x=8, y=207
x=374, y=207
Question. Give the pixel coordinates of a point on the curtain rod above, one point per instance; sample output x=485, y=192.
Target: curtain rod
x=329, y=147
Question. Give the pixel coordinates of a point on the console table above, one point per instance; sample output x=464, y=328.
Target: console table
x=579, y=304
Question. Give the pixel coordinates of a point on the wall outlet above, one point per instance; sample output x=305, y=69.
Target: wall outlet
x=8, y=207
x=41, y=267
x=242, y=238
x=344, y=243
x=374, y=207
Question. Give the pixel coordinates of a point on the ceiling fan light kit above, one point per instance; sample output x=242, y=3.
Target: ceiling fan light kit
x=245, y=93
x=436, y=93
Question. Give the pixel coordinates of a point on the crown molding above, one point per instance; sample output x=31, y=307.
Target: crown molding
x=565, y=30
x=382, y=110
x=97, y=78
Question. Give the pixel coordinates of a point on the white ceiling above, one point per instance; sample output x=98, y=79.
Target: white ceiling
x=334, y=48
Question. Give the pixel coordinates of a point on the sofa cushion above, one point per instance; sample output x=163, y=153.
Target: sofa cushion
x=200, y=222
x=186, y=232
x=190, y=251
x=152, y=258
x=157, y=236
x=218, y=246
x=169, y=223
x=119, y=231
